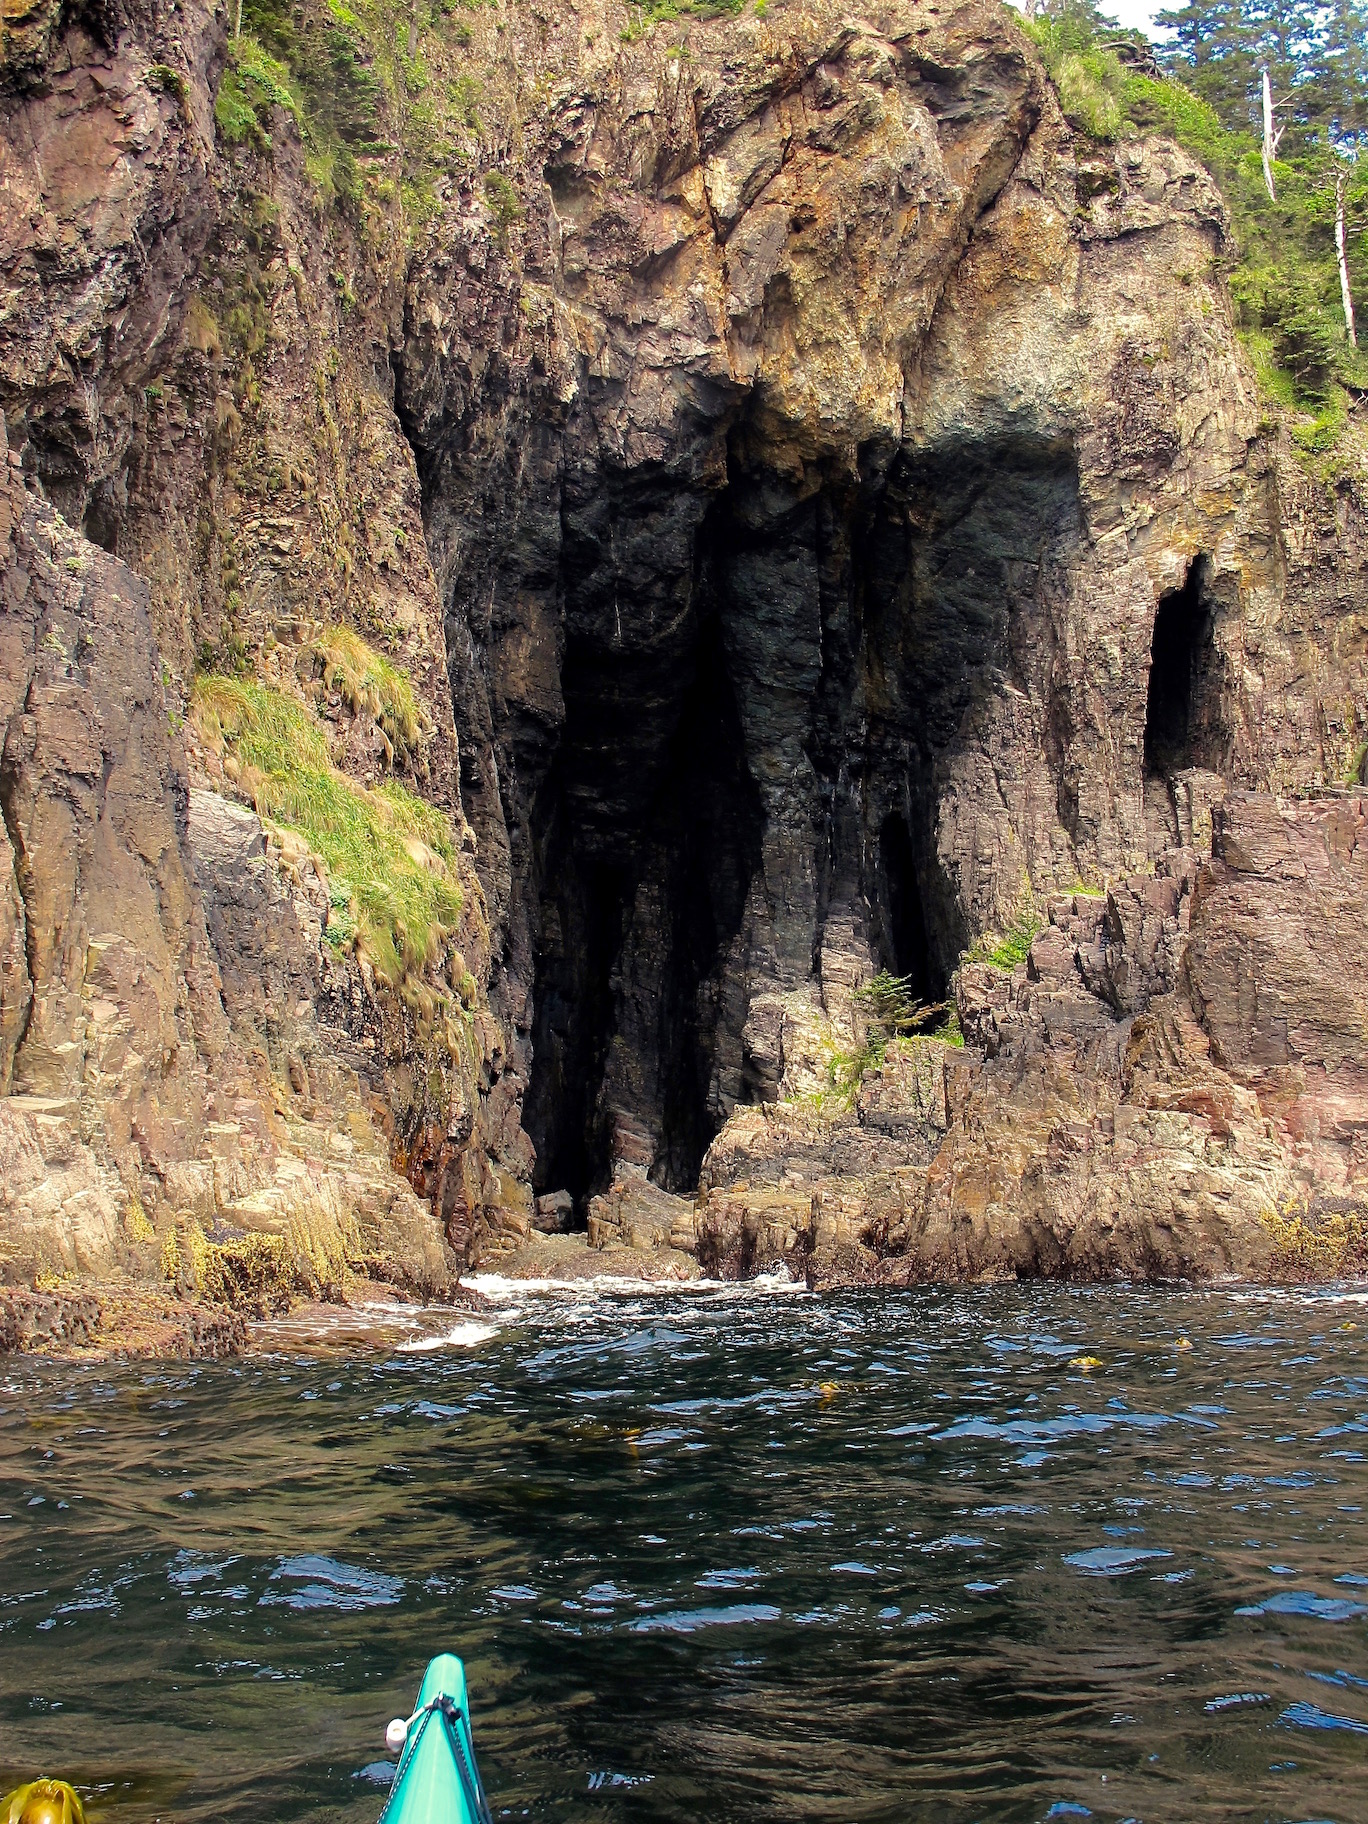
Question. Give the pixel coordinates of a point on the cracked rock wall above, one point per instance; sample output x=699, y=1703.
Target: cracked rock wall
x=830, y=377
x=772, y=507
x=194, y=372
x=131, y=1112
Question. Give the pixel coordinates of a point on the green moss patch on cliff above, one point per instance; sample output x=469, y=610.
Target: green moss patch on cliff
x=254, y=84
x=371, y=86
x=1013, y=946
x=641, y=18
x=390, y=859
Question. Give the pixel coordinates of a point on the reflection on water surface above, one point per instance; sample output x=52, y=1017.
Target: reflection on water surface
x=715, y=1554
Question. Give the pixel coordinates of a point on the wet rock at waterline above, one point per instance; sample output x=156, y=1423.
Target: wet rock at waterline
x=822, y=524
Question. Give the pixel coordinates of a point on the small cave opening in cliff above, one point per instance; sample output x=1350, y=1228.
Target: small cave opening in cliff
x=1184, y=721
x=100, y=523
x=647, y=833
x=583, y=933
x=906, y=947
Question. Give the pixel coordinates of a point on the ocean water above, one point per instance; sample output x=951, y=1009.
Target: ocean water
x=732, y=1553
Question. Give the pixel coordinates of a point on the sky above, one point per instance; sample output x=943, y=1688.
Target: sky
x=1131, y=12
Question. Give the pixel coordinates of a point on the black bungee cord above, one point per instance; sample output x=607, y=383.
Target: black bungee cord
x=472, y=1787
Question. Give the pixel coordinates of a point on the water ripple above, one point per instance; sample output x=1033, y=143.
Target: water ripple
x=934, y=1557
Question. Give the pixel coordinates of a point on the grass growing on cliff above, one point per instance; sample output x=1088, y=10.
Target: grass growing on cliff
x=314, y=66
x=253, y=84
x=369, y=684
x=642, y=17
x=1089, y=83
x=365, y=80
x=892, y=1013
x=1013, y=946
x=389, y=856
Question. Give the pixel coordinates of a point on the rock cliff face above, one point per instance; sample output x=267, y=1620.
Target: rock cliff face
x=827, y=518
x=858, y=526
x=1171, y=1083
x=194, y=372
x=142, y=1127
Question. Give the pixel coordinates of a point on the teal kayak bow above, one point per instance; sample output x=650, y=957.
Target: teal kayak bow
x=437, y=1780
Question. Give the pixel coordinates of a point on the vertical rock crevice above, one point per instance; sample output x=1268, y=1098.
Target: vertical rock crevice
x=1185, y=713
x=17, y=960
x=645, y=840
x=904, y=948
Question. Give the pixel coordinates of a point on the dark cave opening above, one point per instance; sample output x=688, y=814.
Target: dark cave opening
x=1184, y=724
x=766, y=693
x=907, y=950
x=100, y=522
x=582, y=935
x=709, y=816
x=647, y=832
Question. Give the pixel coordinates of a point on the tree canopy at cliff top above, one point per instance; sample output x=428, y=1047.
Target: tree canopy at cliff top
x=1203, y=84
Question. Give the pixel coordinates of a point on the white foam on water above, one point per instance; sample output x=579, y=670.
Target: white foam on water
x=501, y=1290
x=777, y=1283
x=462, y=1336
x=1330, y=1293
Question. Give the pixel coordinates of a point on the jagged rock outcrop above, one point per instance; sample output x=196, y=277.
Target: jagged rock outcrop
x=1215, y=1124
x=826, y=516
x=132, y=1321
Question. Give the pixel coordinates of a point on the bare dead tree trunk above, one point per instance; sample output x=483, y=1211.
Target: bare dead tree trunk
x=1271, y=136
x=237, y=23
x=1345, y=292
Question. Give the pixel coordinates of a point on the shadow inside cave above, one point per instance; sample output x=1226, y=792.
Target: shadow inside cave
x=762, y=686
x=646, y=836
x=1185, y=723
x=906, y=951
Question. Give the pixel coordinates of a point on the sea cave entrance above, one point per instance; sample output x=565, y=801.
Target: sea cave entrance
x=905, y=948
x=646, y=836
x=761, y=682
x=1184, y=712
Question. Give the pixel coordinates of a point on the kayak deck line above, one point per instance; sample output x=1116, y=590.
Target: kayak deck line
x=438, y=1779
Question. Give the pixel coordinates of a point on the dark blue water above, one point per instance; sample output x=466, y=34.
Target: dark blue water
x=714, y=1555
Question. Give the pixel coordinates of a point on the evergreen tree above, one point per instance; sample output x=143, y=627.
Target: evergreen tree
x=1077, y=24
x=1289, y=43
x=1214, y=52
x=1301, y=222
x=1314, y=53
x=1341, y=78
x=1341, y=131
